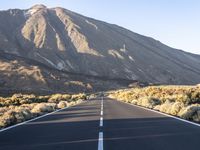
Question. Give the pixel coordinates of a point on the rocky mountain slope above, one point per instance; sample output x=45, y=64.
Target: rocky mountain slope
x=27, y=76
x=66, y=41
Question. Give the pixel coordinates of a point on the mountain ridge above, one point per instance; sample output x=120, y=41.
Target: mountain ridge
x=70, y=42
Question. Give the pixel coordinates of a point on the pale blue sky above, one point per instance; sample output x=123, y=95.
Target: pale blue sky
x=173, y=22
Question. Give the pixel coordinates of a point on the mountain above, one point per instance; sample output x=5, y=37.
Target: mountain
x=69, y=42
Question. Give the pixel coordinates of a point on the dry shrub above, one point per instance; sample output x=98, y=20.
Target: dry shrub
x=176, y=107
x=78, y=101
x=72, y=103
x=183, y=98
x=7, y=119
x=168, y=99
x=41, y=99
x=29, y=106
x=22, y=114
x=157, y=107
x=42, y=108
x=56, y=98
x=169, y=107
x=53, y=105
x=81, y=96
x=92, y=96
x=19, y=108
x=195, y=96
x=16, y=96
x=123, y=95
x=3, y=110
x=62, y=104
x=196, y=116
x=66, y=96
x=166, y=107
x=14, y=116
x=18, y=99
x=148, y=102
x=135, y=102
x=189, y=111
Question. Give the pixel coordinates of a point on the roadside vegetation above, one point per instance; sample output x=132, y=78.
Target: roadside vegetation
x=181, y=101
x=19, y=107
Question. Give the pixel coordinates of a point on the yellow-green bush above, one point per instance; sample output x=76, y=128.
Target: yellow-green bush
x=19, y=107
x=166, y=107
x=20, y=99
x=42, y=108
x=176, y=107
x=56, y=98
x=81, y=96
x=189, y=112
x=62, y=104
x=148, y=102
x=175, y=100
x=15, y=116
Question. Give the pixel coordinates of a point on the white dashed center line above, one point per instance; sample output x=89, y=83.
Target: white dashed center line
x=101, y=112
x=101, y=122
x=100, y=141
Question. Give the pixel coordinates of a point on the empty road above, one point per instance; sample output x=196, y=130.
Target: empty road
x=102, y=124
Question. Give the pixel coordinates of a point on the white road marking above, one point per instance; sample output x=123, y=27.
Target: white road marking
x=102, y=106
x=102, y=103
x=101, y=112
x=100, y=142
x=22, y=123
x=101, y=122
x=186, y=121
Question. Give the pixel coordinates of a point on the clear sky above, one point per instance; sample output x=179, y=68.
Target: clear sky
x=173, y=22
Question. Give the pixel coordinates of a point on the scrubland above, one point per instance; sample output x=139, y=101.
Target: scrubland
x=19, y=107
x=181, y=101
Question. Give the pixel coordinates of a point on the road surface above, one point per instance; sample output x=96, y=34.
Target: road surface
x=98, y=125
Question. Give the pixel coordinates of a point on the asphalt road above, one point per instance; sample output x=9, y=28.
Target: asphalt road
x=112, y=125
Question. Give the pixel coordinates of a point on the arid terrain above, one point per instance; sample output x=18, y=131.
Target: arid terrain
x=68, y=81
